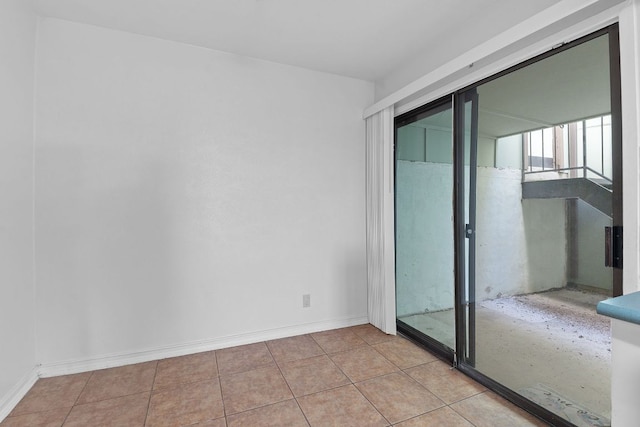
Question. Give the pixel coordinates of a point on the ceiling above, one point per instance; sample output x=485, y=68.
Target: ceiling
x=569, y=86
x=365, y=39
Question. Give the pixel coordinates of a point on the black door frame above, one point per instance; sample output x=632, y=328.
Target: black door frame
x=465, y=228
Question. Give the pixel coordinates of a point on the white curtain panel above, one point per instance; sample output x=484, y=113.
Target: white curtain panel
x=380, y=222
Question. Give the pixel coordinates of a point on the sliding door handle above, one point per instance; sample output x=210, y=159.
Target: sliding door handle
x=468, y=231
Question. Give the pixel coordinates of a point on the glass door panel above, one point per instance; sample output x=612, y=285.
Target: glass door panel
x=541, y=190
x=424, y=224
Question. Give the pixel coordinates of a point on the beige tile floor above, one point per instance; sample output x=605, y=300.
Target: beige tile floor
x=354, y=376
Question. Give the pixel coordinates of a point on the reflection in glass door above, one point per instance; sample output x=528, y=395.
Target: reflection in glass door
x=424, y=225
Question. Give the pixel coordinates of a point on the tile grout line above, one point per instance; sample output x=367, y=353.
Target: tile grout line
x=295, y=399
x=365, y=344
x=153, y=383
x=113, y=397
x=224, y=407
x=446, y=405
x=402, y=370
x=391, y=373
x=461, y=415
x=77, y=398
x=360, y=391
x=255, y=368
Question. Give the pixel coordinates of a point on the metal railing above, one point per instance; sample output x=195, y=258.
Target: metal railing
x=585, y=170
x=566, y=143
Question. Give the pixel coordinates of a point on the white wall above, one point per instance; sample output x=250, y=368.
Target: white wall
x=17, y=333
x=185, y=195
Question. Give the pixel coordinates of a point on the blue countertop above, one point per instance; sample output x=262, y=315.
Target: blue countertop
x=625, y=307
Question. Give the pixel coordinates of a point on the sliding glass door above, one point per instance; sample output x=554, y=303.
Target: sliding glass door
x=424, y=224
x=509, y=228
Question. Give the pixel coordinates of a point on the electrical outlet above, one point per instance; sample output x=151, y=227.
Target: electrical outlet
x=306, y=300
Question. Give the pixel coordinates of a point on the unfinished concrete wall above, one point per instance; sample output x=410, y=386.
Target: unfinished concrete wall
x=521, y=244
x=586, y=247
x=424, y=237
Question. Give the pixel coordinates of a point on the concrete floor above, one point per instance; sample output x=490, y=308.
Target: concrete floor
x=551, y=347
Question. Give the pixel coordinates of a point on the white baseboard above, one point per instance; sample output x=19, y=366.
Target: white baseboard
x=11, y=399
x=114, y=360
